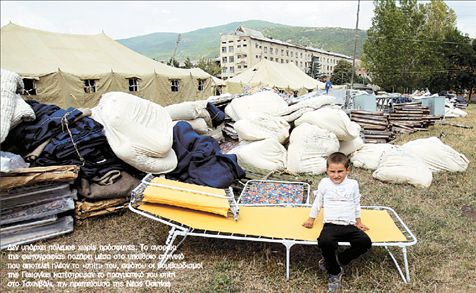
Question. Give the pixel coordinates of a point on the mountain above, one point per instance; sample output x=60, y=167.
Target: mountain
x=206, y=42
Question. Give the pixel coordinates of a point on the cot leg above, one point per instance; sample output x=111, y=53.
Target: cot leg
x=406, y=278
x=171, y=232
x=405, y=260
x=169, y=249
x=288, y=246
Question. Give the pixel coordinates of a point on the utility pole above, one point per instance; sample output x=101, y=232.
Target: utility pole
x=355, y=45
x=175, y=50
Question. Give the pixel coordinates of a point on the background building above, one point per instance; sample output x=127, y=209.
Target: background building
x=245, y=47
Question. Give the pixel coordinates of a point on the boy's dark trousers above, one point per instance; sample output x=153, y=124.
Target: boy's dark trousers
x=331, y=234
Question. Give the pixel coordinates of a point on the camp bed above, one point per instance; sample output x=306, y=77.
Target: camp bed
x=270, y=224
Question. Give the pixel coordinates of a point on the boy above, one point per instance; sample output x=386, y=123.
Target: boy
x=340, y=198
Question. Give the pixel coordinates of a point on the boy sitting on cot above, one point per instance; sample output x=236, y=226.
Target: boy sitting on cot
x=339, y=196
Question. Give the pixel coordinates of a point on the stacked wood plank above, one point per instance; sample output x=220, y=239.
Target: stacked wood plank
x=380, y=127
x=411, y=117
x=374, y=124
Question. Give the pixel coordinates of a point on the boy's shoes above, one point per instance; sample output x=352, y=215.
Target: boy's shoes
x=334, y=281
x=322, y=264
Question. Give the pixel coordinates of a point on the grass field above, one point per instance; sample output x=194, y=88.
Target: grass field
x=442, y=217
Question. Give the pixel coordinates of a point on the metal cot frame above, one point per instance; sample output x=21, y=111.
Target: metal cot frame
x=178, y=229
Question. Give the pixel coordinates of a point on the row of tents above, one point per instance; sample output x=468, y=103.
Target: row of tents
x=75, y=70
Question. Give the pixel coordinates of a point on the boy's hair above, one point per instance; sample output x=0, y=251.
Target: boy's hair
x=338, y=158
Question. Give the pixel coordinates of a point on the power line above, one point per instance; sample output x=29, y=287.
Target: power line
x=420, y=40
x=430, y=71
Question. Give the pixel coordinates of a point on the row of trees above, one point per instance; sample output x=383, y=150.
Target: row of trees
x=412, y=45
x=206, y=64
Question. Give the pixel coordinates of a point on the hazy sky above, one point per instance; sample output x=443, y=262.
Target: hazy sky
x=127, y=19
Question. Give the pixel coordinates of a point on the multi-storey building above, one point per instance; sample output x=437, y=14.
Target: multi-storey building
x=245, y=47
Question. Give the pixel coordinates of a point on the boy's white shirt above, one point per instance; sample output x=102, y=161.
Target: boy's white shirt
x=341, y=202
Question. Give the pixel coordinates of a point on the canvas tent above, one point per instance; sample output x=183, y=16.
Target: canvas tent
x=75, y=70
x=284, y=76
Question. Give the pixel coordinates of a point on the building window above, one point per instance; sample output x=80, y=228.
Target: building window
x=244, y=55
x=287, y=61
x=296, y=63
x=282, y=60
x=224, y=70
x=232, y=69
x=257, y=57
x=239, y=66
x=245, y=66
x=238, y=56
x=89, y=86
x=29, y=87
x=230, y=41
x=287, y=52
x=271, y=58
x=201, y=85
x=231, y=59
x=230, y=49
x=281, y=91
x=174, y=85
x=301, y=54
x=224, y=60
x=223, y=42
x=292, y=54
x=282, y=52
x=223, y=49
x=238, y=46
x=271, y=50
x=266, y=49
x=133, y=84
x=245, y=45
x=256, y=44
x=265, y=57
x=295, y=93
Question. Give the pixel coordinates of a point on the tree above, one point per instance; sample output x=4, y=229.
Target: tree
x=459, y=58
x=402, y=51
x=188, y=64
x=342, y=72
x=209, y=66
x=173, y=62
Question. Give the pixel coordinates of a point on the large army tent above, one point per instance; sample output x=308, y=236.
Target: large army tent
x=284, y=76
x=75, y=70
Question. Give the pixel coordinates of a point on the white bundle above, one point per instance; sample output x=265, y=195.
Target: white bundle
x=369, y=155
x=348, y=147
x=262, y=126
x=333, y=119
x=187, y=110
x=14, y=109
x=263, y=102
x=199, y=125
x=139, y=131
x=314, y=103
x=454, y=113
x=437, y=155
x=398, y=166
x=266, y=154
x=308, y=147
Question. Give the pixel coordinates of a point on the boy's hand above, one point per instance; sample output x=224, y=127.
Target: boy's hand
x=309, y=223
x=360, y=225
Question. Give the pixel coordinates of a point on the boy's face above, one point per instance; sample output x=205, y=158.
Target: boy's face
x=337, y=172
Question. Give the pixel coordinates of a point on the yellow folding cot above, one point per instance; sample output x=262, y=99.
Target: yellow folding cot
x=273, y=224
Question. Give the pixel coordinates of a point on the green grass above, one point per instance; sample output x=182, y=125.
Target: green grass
x=443, y=260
